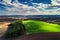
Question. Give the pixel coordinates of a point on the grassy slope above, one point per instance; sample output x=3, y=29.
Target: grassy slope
x=34, y=26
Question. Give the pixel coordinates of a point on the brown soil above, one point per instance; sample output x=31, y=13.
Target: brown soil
x=40, y=36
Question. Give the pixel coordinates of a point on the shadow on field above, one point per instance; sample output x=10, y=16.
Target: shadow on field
x=14, y=30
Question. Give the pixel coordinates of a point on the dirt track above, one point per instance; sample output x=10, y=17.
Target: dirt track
x=3, y=27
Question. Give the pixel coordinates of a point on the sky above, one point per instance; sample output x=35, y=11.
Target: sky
x=29, y=7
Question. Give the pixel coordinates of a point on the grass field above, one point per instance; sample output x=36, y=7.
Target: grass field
x=34, y=26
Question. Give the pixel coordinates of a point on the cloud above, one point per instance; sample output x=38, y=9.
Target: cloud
x=55, y=2
x=26, y=10
x=8, y=1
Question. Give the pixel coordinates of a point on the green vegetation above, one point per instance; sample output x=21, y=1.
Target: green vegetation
x=16, y=28
x=34, y=26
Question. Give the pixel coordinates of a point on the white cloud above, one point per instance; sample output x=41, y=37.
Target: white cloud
x=8, y=1
x=55, y=2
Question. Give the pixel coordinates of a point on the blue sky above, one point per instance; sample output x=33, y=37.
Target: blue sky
x=28, y=7
x=36, y=1
x=29, y=2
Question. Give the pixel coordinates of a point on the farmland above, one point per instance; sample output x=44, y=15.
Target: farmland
x=41, y=25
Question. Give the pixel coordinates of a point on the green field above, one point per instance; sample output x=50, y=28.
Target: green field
x=34, y=26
